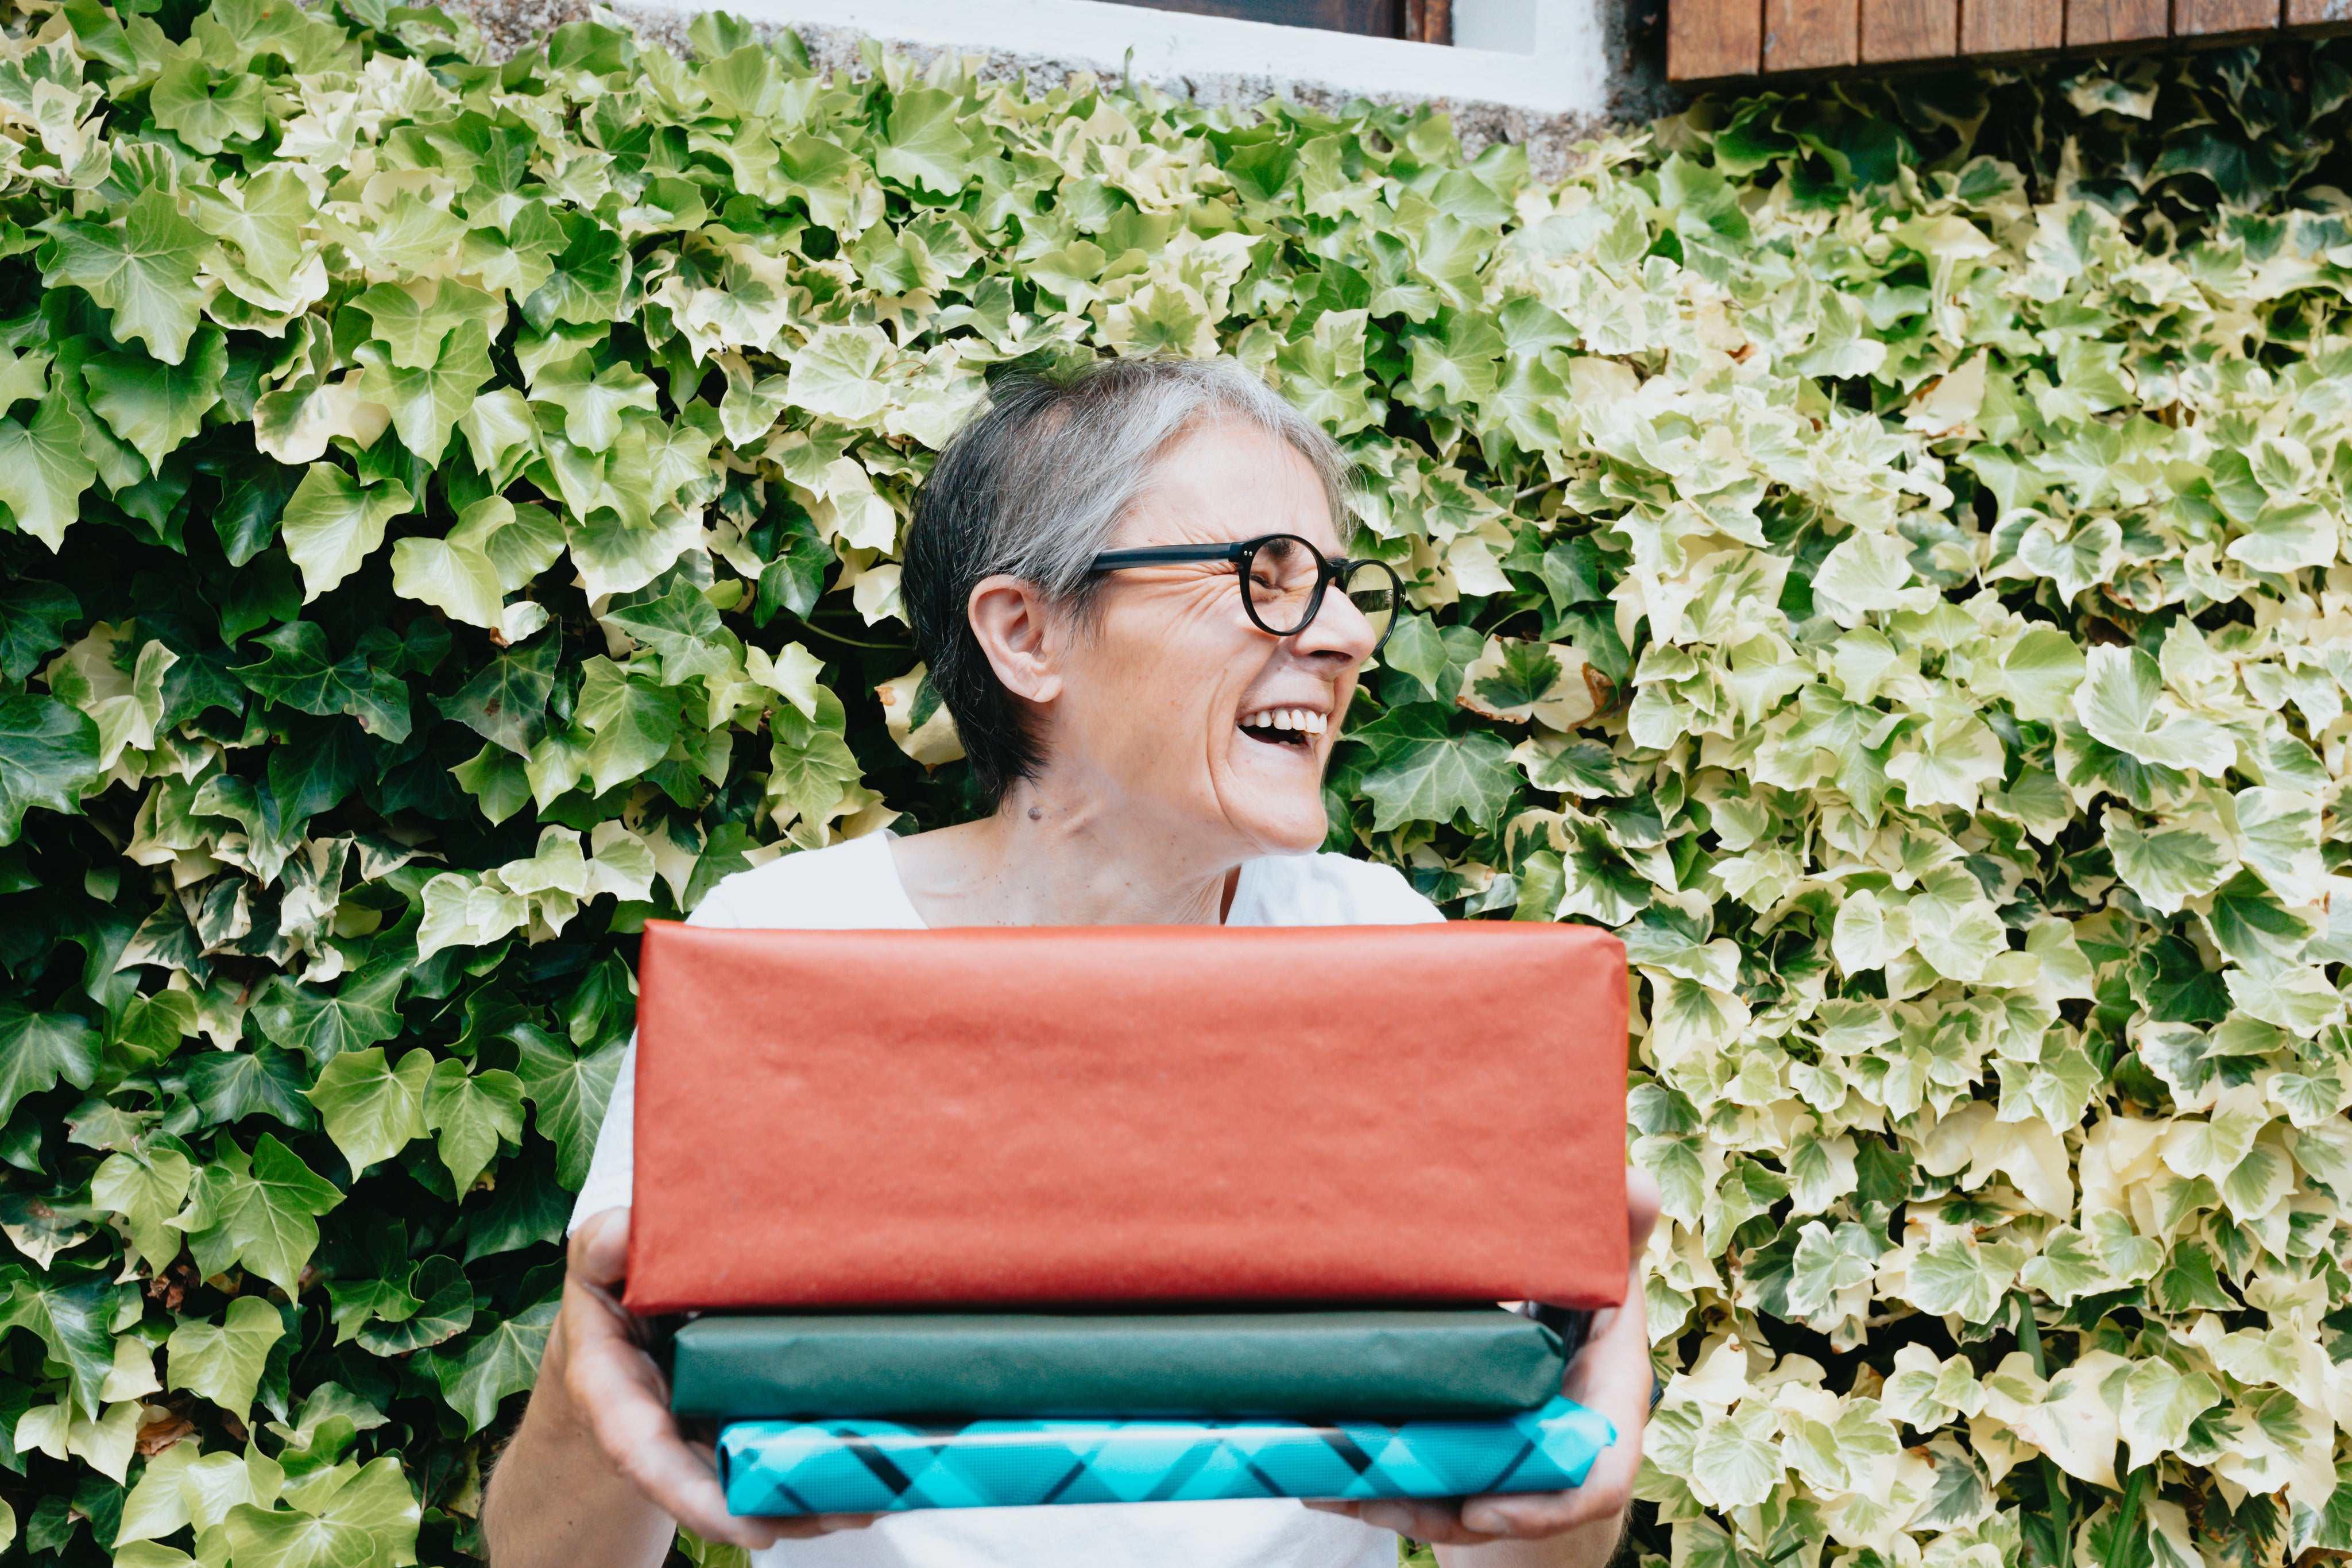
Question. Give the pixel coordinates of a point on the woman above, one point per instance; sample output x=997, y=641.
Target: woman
x=1154, y=725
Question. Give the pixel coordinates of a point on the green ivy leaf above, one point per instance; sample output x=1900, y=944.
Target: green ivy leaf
x=34, y=615
x=73, y=1317
x=297, y=668
x=158, y=407
x=588, y=277
x=569, y=1093
x=2119, y=703
x=364, y=1009
x=146, y=1189
x=332, y=523
x=506, y=701
x=44, y=470
x=228, y=1086
x=370, y=1108
x=49, y=753
x=205, y=113
x=472, y=1113
x=631, y=719
x=38, y=1048
x=502, y=1360
x=1423, y=772
x=369, y=1522
x=258, y=1209
x=441, y=1308
x=427, y=402
x=923, y=144
x=141, y=267
x=593, y=401
x=223, y=1362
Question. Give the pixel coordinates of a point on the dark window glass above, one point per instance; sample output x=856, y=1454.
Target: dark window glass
x=1427, y=21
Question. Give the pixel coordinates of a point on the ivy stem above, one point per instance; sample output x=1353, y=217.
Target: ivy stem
x=837, y=637
x=2060, y=1507
x=2118, y=1552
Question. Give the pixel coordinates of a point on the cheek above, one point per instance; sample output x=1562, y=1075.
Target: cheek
x=1163, y=677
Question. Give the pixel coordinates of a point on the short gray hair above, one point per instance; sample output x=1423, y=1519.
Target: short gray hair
x=1034, y=488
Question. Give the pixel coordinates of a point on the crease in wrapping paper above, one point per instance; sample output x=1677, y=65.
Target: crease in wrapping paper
x=782, y=1468
x=1046, y=1116
x=1389, y=1364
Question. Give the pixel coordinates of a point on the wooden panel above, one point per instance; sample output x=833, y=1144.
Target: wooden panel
x=1428, y=21
x=1707, y=39
x=1909, y=29
x=2317, y=13
x=2010, y=26
x=2115, y=21
x=1810, y=35
x=2202, y=18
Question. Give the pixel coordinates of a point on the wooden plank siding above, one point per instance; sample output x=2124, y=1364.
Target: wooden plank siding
x=2011, y=26
x=1909, y=30
x=1810, y=35
x=1706, y=41
x=1726, y=41
x=2208, y=18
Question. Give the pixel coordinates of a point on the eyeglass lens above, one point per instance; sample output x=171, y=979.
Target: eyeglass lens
x=1283, y=575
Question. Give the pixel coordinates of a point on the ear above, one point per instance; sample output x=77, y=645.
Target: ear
x=1019, y=630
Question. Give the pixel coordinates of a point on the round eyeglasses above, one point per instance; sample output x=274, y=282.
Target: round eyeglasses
x=1283, y=578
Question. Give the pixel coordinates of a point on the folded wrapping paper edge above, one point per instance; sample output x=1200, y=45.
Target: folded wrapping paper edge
x=890, y=1468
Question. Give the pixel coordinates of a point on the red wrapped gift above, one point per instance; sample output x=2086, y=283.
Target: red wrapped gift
x=1136, y=1114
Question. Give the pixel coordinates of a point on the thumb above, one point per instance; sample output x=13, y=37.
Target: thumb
x=599, y=1253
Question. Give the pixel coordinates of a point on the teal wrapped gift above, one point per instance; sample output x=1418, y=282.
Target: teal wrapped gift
x=1400, y=1364
x=785, y=1467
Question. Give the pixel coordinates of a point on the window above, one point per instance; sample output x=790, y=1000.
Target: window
x=1421, y=21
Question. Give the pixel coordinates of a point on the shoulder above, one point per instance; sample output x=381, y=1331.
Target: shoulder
x=843, y=886
x=1335, y=890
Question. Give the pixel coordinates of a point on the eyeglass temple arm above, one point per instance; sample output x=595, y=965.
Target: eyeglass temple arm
x=1162, y=555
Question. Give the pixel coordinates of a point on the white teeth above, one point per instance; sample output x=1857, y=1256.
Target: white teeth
x=1305, y=721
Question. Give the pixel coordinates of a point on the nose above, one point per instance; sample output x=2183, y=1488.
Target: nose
x=1340, y=630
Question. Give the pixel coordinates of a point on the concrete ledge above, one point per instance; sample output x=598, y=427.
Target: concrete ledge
x=1491, y=96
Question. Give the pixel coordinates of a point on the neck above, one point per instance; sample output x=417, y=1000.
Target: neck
x=1052, y=856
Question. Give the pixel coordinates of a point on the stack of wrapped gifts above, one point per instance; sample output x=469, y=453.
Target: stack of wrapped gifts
x=989, y=1218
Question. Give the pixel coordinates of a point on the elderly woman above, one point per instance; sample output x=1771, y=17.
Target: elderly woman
x=1130, y=588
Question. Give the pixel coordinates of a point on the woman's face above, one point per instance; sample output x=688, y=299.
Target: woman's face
x=1160, y=688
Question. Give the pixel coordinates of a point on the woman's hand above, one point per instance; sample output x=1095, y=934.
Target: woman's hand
x=603, y=1405
x=1610, y=1375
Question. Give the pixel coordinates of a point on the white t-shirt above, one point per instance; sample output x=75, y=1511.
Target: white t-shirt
x=855, y=886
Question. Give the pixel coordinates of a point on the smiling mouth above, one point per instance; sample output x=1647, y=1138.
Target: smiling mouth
x=1290, y=727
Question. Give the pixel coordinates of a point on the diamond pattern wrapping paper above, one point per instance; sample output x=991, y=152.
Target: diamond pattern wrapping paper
x=780, y=1469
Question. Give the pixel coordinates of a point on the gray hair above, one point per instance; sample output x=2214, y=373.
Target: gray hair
x=1034, y=488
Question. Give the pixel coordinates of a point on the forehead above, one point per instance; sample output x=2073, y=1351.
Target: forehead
x=1228, y=480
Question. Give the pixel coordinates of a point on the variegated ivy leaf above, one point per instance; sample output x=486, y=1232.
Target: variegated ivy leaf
x=2121, y=704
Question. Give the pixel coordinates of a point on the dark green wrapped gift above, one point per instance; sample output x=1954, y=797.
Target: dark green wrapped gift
x=1391, y=1365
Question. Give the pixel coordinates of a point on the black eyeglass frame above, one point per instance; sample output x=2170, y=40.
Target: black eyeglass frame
x=1242, y=552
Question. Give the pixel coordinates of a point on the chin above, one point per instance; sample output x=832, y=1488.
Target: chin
x=1286, y=830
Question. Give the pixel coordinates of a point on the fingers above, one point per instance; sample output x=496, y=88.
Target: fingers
x=1437, y=1520
x=1603, y=1497
x=640, y=1438
x=805, y=1526
x=1610, y=1375
x=1641, y=1203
